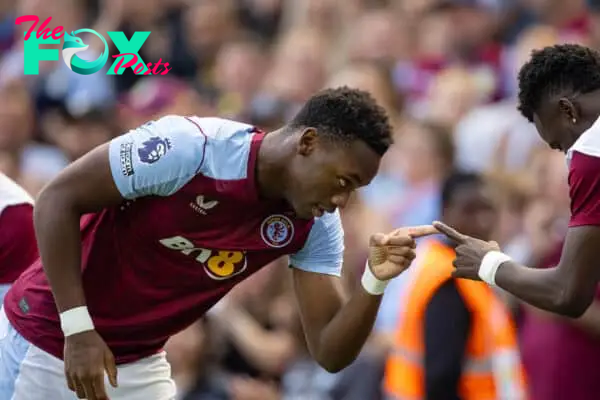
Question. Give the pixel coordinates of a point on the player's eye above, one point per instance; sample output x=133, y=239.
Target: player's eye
x=343, y=182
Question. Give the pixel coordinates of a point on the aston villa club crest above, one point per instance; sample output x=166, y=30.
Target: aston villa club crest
x=277, y=230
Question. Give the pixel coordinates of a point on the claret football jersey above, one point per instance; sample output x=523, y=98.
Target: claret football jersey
x=18, y=248
x=191, y=226
x=583, y=159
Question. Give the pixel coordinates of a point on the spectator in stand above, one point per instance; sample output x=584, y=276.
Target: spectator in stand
x=454, y=338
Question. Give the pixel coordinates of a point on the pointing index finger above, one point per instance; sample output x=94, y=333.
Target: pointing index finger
x=414, y=232
x=451, y=233
x=422, y=230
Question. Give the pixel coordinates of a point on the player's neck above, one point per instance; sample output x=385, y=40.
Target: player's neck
x=271, y=171
x=589, y=108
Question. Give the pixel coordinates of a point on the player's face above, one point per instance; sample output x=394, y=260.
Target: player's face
x=554, y=122
x=325, y=173
x=472, y=210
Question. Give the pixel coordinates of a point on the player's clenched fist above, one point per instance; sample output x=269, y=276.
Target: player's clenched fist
x=390, y=254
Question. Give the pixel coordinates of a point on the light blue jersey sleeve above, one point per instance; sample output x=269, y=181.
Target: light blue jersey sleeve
x=323, y=251
x=158, y=158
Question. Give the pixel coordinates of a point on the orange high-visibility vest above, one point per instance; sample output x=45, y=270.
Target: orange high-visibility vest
x=492, y=368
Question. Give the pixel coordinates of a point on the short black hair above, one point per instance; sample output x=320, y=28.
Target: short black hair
x=554, y=69
x=347, y=114
x=456, y=181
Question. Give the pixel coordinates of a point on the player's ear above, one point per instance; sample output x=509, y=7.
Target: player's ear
x=568, y=109
x=308, y=141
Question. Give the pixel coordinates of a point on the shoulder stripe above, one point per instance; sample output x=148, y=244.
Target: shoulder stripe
x=203, y=146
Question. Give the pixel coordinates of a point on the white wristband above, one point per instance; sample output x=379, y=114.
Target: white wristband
x=76, y=320
x=371, y=284
x=490, y=264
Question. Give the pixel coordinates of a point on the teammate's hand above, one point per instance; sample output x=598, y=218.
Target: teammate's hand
x=86, y=358
x=469, y=252
x=390, y=254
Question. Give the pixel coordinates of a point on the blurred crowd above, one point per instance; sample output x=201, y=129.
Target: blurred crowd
x=445, y=70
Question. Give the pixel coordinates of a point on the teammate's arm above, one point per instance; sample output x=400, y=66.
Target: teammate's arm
x=336, y=327
x=155, y=159
x=566, y=289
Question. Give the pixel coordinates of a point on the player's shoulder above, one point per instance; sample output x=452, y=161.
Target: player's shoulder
x=161, y=156
x=588, y=143
x=12, y=194
x=220, y=128
x=228, y=147
x=583, y=161
x=222, y=145
x=191, y=127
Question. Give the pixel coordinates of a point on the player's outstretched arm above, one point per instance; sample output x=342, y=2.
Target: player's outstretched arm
x=567, y=289
x=336, y=329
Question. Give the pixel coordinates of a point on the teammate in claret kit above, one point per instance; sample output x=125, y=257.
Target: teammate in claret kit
x=559, y=91
x=18, y=249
